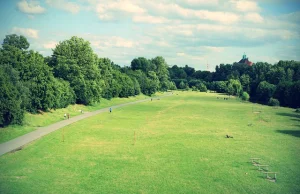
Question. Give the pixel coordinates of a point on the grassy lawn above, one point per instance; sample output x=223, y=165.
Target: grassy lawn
x=179, y=147
x=32, y=121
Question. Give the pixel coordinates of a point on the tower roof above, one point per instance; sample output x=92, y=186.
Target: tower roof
x=245, y=60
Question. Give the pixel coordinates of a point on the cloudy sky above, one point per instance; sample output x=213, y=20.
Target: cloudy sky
x=193, y=32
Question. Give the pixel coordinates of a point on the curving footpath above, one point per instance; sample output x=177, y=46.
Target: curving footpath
x=17, y=143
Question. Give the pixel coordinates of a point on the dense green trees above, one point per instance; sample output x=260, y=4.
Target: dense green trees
x=11, y=107
x=261, y=80
x=74, y=61
x=75, y=74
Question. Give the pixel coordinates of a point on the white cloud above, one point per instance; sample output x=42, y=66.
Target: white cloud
x=154, y=12
x=64, y=5
x=180, y=54
x=214, y=49
x=254, y=17
x=30, y=7
x=198, y=2
x=104, y=42
x=27, y=32
x=223, y=17
x=171, y=11
x=50, y=45
x=149, y=19
x=245, y=6
x=113, y=10
x=186, y=31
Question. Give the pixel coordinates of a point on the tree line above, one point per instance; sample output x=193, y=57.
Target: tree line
x=75, y=74
x=72, y=74
x=277, y=84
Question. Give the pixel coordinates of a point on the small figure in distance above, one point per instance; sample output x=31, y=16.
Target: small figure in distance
x=110, y=109
x=151, y=99
x=228, y=136
x=65, y=115
x=68, y=116
x=81, y=111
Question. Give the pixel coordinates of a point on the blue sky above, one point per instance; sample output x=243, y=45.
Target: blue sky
x=192, y=32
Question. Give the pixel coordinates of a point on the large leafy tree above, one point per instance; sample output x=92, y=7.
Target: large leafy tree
x=74, y=61
x=33, y=72
x=19, y=42
x=264, y=91
x=162, y=73
x=234, y=87
x=39, y=78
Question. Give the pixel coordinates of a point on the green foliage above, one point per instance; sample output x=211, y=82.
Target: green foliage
x=11, y=110
x=283, y=93
x=292, y=95
x=182, y=85
x=201, y=87
x=194, y=88
x=172, y=86
x=245, y=96
x=74, y=61
x=40, y=81
x=234, y=87
x=19, y=42
x=273, y=102
x=64, y=94
x=220, y=86
x=264, y=91
x=152, y=83
x=142, y=64
x=245, y=82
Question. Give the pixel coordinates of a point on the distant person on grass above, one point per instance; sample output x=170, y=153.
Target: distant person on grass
x=65, y=116
x=68, y=116
x=110, y=110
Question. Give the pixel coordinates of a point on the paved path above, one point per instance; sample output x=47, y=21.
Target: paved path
x=18, y=142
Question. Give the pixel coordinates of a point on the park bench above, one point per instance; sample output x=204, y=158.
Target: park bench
x=271, y=178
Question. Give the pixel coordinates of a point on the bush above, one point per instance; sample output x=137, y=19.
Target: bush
x=298, y=110
x=245, y=96
x=202, y=87
x=273, y=102
x=194, y=88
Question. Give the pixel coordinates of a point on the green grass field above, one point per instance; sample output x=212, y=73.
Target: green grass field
x=179, y=147
x=32, y=121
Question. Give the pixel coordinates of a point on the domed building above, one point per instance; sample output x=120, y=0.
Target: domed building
x=245, y=60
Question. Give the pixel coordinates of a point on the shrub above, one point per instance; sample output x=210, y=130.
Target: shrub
x=245, y=96
x=298, y=110
x=273, y=102
x=202, y=87
x=194, y=88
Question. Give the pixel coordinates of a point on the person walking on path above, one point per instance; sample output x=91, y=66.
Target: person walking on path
x=110, y=109
x=68, y=116
x=65, y=116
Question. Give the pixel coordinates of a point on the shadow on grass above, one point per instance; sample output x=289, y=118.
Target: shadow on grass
x=295, y=133
x=295, y=119
x=294, y=115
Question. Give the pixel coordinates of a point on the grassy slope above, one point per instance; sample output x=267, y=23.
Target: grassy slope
x=32, y=121
x=180, y=148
